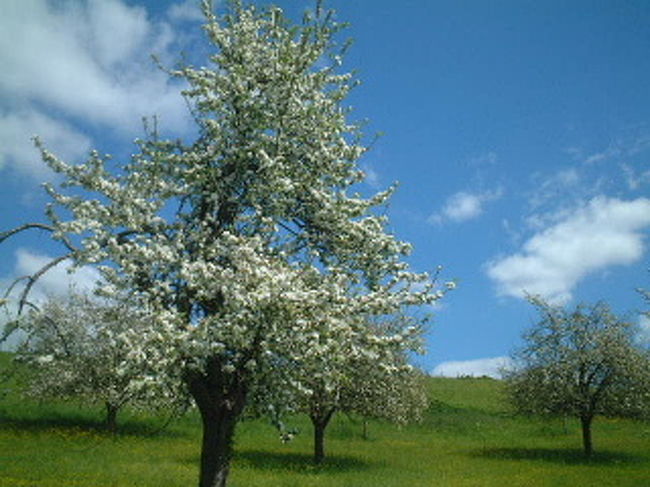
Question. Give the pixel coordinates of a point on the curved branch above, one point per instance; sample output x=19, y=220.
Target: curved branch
x=13, y=285
x=40, y=226
x=26, y=226
x=35, y=277
x=59, y=334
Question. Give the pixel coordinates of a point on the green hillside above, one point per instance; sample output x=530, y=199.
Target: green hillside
x=468, y=438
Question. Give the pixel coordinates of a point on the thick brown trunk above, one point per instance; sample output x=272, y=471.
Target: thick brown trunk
x=220, y=399
x=319, y=442
x=111, y=417
x=320, y=420
x=216, y=447
x=586, y=435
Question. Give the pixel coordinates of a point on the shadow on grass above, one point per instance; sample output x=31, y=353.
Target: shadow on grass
x=298, y=462
x=73, y=422
x=561, y=456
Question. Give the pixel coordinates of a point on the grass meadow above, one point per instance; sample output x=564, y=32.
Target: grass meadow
x=468, y=438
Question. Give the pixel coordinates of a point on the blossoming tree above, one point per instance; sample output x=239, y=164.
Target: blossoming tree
x=77, y=346
x=582, y=363
x=250, y=241
x=368, y=379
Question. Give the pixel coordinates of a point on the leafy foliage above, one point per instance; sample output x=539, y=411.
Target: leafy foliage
x=582, y=363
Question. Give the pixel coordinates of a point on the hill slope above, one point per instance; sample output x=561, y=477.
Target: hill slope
x=467, y=438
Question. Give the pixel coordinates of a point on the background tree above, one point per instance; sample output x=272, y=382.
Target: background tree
x=399, y=395
x=582, y=363
x=75, y=347
x=251, y=239
x=365, y=379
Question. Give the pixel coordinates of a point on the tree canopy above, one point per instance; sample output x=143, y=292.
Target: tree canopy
x=249, y=246
x=380, y=384
x=580, y=362
x=76, y=346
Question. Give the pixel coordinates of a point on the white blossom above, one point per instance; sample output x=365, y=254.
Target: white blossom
x=252, y=251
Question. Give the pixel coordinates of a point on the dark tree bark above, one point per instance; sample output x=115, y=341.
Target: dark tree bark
x=320, y=418
x=220, y=399
x=585, y=421
x=110, y=421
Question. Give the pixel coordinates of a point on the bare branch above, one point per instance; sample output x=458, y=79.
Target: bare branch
x=13, y=285
x=31, y=280
x=59, y=334
x=39, y=226
x=26, y=226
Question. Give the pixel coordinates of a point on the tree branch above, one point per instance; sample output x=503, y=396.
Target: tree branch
x=35, y=277
x=26, y=226
x=59, y=334
x=39, y=226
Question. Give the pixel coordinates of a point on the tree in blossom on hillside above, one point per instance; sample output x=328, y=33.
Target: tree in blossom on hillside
x=371, y=381
x=581, y=362
x=78, y=347
x=250, y=241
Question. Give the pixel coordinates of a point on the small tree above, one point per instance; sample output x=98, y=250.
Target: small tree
x=367, y=380
x=581, y=363
x=399, y=395
x=76, y=346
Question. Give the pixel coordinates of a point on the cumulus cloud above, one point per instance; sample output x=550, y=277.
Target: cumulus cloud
x=464, y=206
x=602, y=233
x=490, y=367
x=88, y=62
x=16, y=130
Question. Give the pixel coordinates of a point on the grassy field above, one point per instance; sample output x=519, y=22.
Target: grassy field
x=468, y=438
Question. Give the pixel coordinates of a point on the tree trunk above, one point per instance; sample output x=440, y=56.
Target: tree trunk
x=216, y=447
x=220, y=399
x=110, y=421
x=586, y=434
x=320, y=420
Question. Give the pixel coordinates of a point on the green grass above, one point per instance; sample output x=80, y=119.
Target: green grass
x=468, y=438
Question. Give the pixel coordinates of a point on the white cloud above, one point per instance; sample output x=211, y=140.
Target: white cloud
x=16, y=147
x=88, y=62
x=463, y=206
x=602, y=233
x=58, y=280
x=490, y=367
x=55, y=282
x=186, y=11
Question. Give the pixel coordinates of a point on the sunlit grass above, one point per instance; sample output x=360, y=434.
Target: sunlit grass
x=468, y=438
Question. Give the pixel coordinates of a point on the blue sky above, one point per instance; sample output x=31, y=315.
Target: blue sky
x=519, y=132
